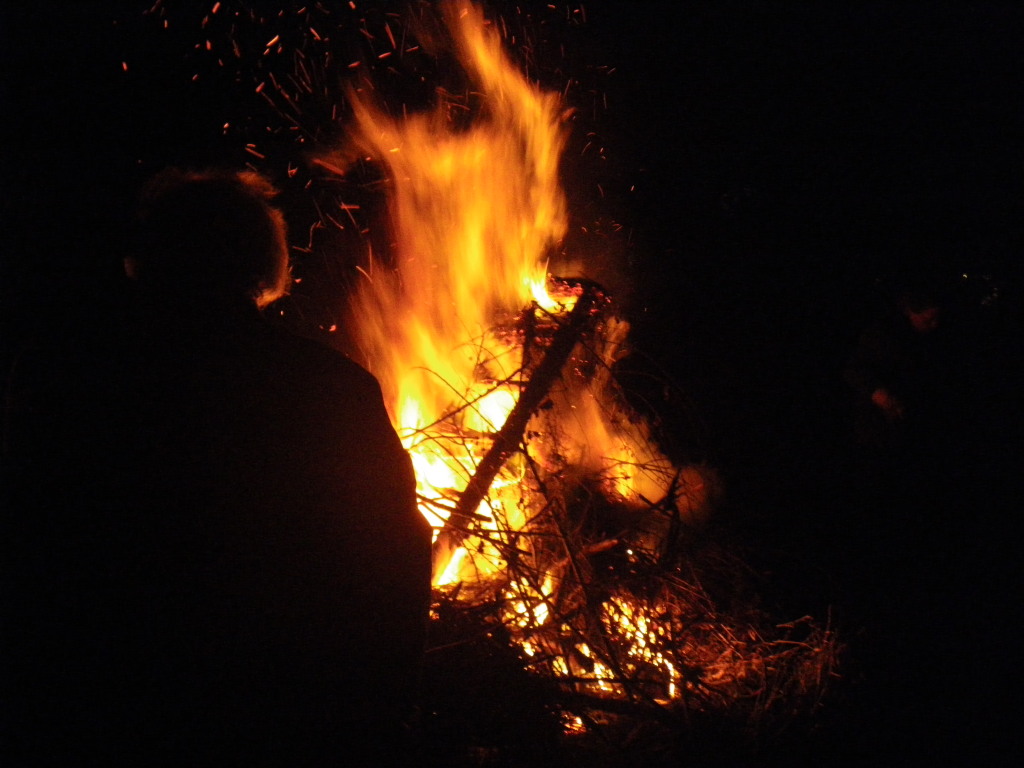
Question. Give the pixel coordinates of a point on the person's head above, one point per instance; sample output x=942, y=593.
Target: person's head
x=209, y=237
x=922, y=309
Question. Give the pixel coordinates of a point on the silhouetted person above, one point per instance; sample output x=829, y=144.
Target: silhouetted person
x=894, y=372
x=214, y=555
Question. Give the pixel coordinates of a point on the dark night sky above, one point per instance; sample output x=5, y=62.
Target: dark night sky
x=778, y=142
x=778, y=169
x=784, y=159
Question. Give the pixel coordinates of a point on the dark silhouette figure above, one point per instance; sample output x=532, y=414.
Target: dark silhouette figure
x=896, y=374
x=213, y=553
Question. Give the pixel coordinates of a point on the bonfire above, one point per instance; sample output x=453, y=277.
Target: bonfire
x=558, y=522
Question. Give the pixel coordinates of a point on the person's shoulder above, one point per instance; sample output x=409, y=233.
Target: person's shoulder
x=313, y=358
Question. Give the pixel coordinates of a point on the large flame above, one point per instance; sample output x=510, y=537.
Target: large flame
x=476, y=214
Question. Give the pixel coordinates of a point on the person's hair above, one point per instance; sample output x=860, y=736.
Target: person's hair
x=212, y=235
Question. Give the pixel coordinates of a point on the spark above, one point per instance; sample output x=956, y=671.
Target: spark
x=329, y=166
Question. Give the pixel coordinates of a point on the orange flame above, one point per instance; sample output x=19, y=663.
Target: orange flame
x=476, y=213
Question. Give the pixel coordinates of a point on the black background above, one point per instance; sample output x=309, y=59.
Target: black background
x=778, y=171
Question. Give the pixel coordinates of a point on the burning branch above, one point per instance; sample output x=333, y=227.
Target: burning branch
x=509, y=437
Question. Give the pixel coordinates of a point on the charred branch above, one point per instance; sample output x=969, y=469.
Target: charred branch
x=507, y=440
